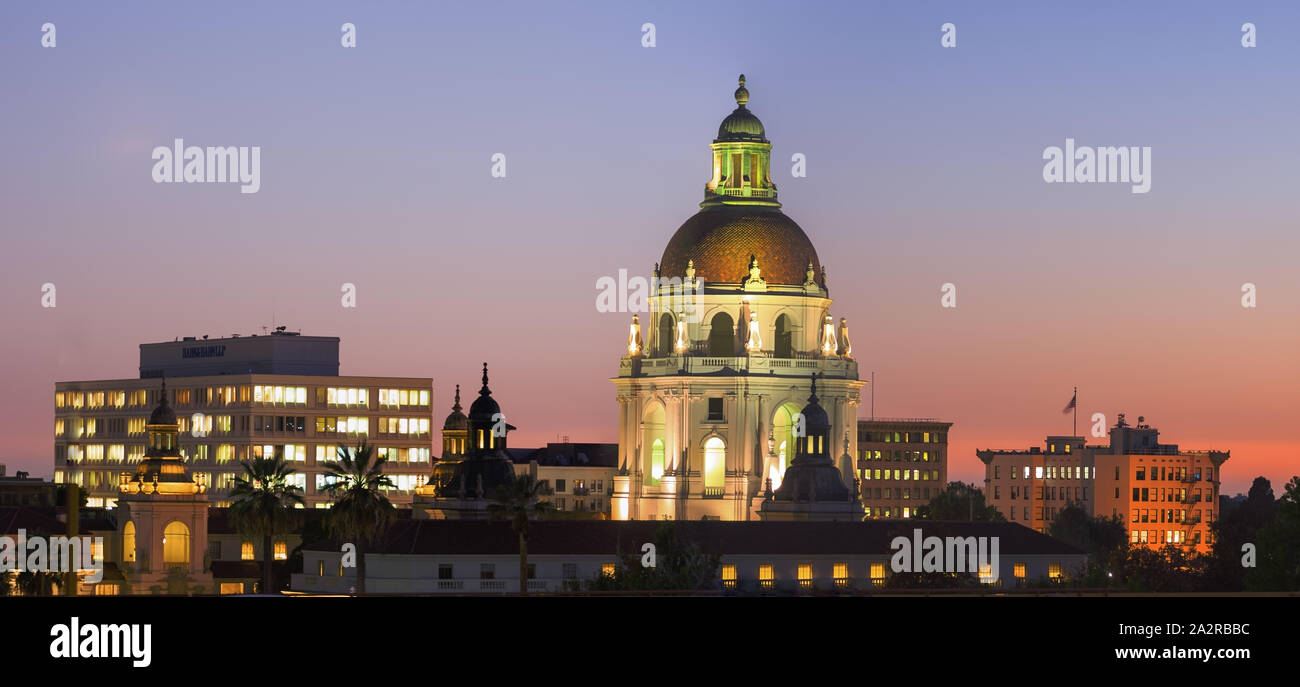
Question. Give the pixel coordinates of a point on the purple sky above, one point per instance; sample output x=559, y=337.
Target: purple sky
x=924, y=167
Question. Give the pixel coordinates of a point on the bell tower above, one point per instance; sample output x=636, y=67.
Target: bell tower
x=163, y=523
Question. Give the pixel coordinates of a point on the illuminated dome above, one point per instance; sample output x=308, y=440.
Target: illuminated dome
x=720, y=239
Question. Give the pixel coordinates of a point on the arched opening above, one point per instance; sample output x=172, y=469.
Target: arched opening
x=783, y=441
x=784, y=347
x=665, y=340
x=722, y=335
x=653, y=445
x=715, y=463
x=176, y=544
x=128, y=542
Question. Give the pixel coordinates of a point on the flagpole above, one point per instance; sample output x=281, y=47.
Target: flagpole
x=1076, y=411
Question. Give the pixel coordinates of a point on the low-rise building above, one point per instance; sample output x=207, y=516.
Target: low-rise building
x=474, y=557
x=1163, y=494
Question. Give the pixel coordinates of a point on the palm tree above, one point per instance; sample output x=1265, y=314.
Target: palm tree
x=260, y=504
x=519, y=502
x=361, y=512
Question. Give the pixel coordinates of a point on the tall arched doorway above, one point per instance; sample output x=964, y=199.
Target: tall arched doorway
x=784, y=345
x=665, y=341
x=722, y=335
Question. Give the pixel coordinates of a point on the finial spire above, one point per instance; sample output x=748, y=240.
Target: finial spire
x=163, y=395
x=813, y=397
x=456, y=407
x=742, y=93
x=485, y=390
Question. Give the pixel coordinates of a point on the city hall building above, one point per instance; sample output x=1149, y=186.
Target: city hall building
x=240, y=397
x=711, y=386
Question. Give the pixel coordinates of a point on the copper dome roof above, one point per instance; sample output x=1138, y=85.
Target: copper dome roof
x=721, y=239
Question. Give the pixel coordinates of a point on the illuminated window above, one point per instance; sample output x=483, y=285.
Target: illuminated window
x=607, y=569
x=281, y=551
x=1054, y=571
x=715, y=462
x=840, y=572
x=176, y=544
x=986, y=573
x=729, y=576
x=1038, y=472
x=805, y=576
x=878, y=574
x=766, y=576
x=128, y=542
x=1018, y=570
x=246, y=551
x=107, y=589
x=232, y=588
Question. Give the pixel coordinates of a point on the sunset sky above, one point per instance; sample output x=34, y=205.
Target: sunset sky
x=924, y=167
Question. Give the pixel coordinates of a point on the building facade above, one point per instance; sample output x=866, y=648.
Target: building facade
x=739, y=320
x=445, y=557
x=902, y=464
x=1163, y=494
x=237, y=398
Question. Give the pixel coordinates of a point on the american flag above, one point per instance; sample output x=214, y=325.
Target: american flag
x=1071, y=405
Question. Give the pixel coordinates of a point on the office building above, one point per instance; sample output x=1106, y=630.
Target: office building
x=241, y=397
x=902, y=464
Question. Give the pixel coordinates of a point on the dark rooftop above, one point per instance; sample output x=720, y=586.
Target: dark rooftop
x=602, y=537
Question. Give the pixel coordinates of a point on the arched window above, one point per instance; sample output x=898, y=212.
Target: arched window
x=128, y=542
x=665, y=334
x=784, y=440
x=176, y=544
x=784, y=339
x=722, y=335
x=715, y=462
x=652, y=444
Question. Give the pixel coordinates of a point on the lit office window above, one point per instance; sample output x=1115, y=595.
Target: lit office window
x=805, y=576
x=281, y=551
x=1054, y=571
x=729, y=576
x=878, y=574
x=766, y=576
x=246, y=551
x=840, y=572
x=607, y=569
x=1018, y=570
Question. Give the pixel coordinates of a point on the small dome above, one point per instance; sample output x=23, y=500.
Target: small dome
x=482, y=410
x=741, y=124
x=815, y=419
x=457, y=419
x=163, y=414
